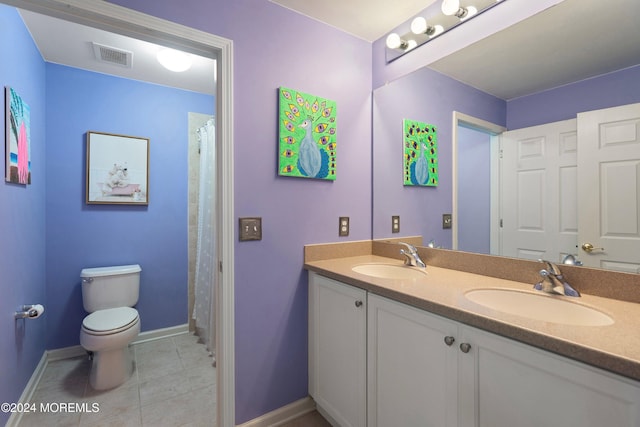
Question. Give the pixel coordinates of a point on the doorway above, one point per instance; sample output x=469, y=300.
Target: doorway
x=134, y=24
x=481, y=135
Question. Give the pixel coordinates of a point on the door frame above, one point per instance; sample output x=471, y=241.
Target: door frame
x=121, y=20
x=494, y=130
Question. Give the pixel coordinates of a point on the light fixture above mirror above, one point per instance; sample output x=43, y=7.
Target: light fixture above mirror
x=433, y=22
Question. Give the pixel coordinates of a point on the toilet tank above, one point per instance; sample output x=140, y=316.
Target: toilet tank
x=110, y=287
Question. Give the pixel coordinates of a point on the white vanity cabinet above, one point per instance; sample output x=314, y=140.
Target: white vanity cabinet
x=504, y=383
x=412, y=371
x=337, y=350
x=423, y=370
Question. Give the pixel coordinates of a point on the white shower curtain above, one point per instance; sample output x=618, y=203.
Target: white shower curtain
x=205, y=252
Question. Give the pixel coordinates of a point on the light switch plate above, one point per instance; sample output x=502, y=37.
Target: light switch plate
x=250, y=229
x=446, y=221
x=343, y=226
x=395, y=224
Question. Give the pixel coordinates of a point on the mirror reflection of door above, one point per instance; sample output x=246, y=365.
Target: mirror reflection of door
x=575, y=182
x=609, y=188
x=538, y=191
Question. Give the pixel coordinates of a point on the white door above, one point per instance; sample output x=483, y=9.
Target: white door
x=538, y=197
x=609, y=187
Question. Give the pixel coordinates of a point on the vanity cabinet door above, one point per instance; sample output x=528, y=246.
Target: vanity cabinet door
x=504, y=383
x=337, y=350
x=412, y=377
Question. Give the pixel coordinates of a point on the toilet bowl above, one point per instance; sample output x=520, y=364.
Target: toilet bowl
x=108, y=333
x=108, y=295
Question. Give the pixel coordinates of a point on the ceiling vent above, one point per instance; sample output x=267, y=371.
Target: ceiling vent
x=113, y=55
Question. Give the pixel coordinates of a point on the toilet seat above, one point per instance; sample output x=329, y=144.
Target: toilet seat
x=110, y=321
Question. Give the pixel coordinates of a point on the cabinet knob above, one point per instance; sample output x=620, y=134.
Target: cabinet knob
x=465, y=347
x=449, y=340
x=358, y=303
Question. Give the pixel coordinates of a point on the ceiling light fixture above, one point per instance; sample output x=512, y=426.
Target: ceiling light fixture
x=174, y=60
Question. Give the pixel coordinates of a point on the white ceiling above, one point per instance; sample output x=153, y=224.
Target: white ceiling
x=366, y=19
x=572, y=41
x=67, y=43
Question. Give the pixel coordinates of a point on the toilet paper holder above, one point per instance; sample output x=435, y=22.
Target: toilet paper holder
x=31, y=311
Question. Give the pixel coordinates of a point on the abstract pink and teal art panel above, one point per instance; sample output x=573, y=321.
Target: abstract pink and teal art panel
x=17, y=139
x=307, y=135
x=420, y=154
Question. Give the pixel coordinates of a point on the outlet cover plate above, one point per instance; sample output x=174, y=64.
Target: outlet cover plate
x=250, y=229
x=343, y=226
x=395, y=224
x=446, y=221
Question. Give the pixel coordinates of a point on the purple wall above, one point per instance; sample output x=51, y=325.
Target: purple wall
x=474, y=191
x=430, y=97
x=22, y=217
x=609, y=90
x=81, y=235
x=275, y=47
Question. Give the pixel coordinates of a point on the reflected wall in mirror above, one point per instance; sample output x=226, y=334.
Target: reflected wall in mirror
x=583, y=80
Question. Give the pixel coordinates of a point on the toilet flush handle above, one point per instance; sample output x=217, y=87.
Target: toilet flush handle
x=87, y=279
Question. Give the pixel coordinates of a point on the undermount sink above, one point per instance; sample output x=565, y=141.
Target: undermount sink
x=539, y=306
x=389, y=271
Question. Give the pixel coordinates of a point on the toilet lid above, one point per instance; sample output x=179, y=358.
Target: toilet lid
x=110, y=319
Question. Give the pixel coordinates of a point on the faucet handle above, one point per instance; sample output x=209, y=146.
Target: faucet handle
x=551, y=267
x=410, y=247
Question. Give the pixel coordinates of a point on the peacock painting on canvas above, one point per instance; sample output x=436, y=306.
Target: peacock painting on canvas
x=420, y=154
x=307, y=135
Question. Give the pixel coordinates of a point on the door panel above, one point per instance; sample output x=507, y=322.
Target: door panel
x=609, y=187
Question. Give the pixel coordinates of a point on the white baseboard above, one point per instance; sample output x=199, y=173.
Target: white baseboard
x=29, y=390
x=156, y=334
x=282, y=415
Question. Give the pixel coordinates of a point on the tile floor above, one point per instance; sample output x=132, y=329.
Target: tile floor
x=174, y=384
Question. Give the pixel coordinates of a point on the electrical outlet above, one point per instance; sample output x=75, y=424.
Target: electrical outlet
x=395, y=224
x=343, y=226
x=446, y=221
x=250, y=229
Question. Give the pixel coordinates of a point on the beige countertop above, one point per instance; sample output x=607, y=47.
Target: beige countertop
x=441, y=291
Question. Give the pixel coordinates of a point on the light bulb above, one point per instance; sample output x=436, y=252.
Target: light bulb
x=450, y=7
x=419, y=25
x=394, y=41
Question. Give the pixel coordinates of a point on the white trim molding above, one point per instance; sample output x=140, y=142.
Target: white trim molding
x=283, y=415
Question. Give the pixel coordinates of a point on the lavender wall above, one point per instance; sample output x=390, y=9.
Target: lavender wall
x=81, y=235
x=430, y=97
x=274, y=47
x=22, y=217
x=609, y=90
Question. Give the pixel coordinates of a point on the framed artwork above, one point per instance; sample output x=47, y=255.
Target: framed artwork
x=307, y=135
x=420, y=153
x=117, y=169
x=17, y=138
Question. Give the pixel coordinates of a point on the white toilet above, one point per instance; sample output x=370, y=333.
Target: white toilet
x=109, y=293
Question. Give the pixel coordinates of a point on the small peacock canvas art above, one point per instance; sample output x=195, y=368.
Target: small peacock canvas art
x=420, y=154
x=307, y=135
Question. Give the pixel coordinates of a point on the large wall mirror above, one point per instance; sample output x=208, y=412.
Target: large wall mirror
x=549, y=70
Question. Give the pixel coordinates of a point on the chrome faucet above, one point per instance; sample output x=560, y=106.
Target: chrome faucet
x=552, y=278
x=411, y=256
